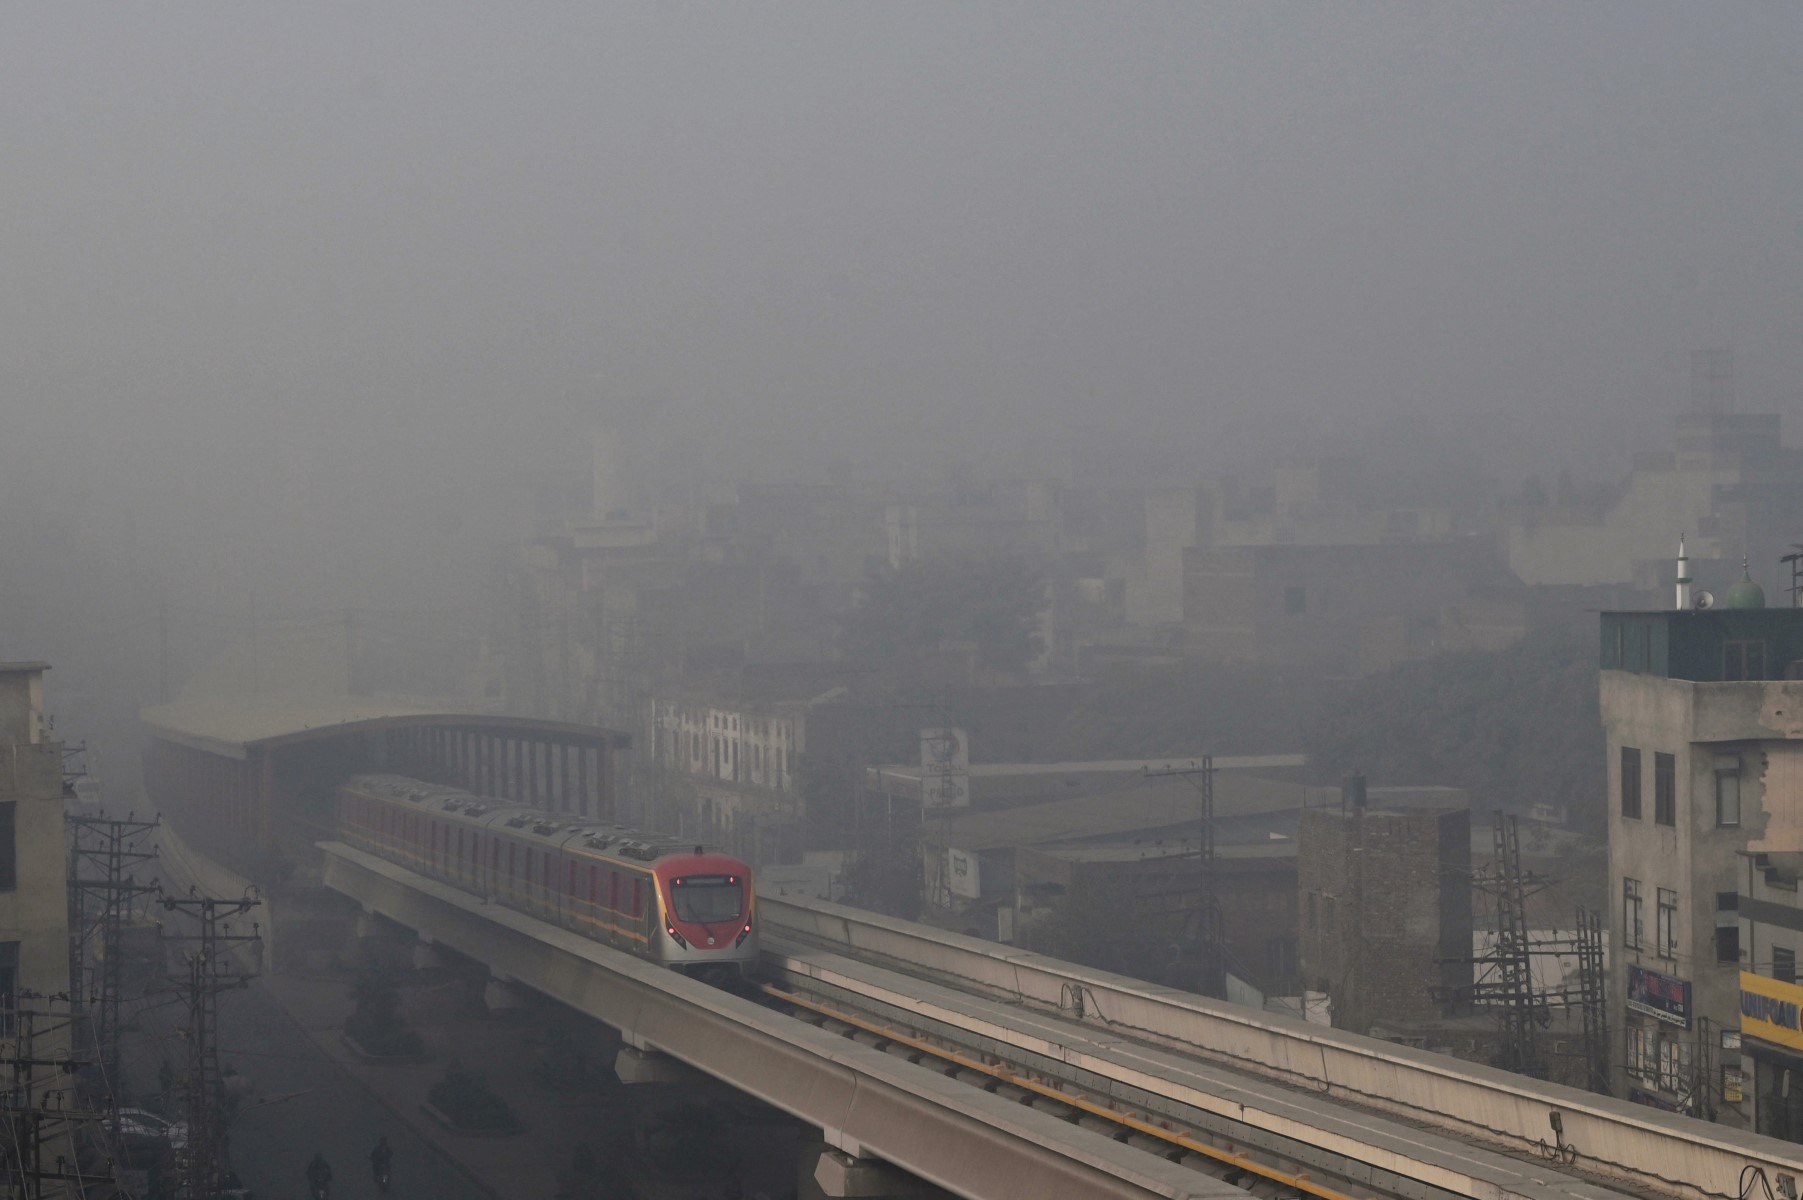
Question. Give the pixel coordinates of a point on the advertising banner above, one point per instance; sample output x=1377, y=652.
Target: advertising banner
x=1769, y=1010
x=1659, y=996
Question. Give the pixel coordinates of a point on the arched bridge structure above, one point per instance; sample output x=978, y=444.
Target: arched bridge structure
x=248, y=778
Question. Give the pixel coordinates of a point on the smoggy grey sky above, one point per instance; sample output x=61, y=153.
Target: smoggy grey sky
x=335, y=275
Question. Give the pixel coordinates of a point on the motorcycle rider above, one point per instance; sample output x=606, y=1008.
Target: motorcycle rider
x=380, y=1160
x=319, y=1175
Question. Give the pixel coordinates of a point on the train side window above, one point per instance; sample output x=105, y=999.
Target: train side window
x=638, y=896
x=593, y=872
x=570, y=887
x=613, y=890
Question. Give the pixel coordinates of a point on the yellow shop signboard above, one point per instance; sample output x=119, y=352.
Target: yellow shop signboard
x=1769, y=1010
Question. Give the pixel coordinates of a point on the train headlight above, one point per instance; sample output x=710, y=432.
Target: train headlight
x=676, y=937
x=743, y=934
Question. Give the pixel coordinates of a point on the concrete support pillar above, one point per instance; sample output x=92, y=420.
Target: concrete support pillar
x=824, y=1173
x=635, y=1064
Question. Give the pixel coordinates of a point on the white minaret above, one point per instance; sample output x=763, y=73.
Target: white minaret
x=1683, y=577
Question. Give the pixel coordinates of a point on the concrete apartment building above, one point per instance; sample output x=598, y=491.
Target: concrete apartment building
x=1386, y=910
x=1703, y=716
x=34, y=904
x=1728, y=481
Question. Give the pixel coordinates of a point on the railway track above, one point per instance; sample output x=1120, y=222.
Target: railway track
x=1267, y=1139
x=1306, y=1101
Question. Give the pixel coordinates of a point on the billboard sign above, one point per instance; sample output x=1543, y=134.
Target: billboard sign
x=944, y=769
x=1771, y=1010
x=1659, y=996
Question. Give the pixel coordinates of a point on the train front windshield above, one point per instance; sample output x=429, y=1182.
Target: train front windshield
x=706, y=899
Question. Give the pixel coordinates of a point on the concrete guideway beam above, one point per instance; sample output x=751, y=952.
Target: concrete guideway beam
x=1663, y=1153
x=1374, y=1151
x=957, y=1137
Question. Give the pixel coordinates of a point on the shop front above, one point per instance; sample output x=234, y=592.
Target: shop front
x=1771, y=1043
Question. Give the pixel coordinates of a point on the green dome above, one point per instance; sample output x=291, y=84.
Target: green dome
x=1745, y=594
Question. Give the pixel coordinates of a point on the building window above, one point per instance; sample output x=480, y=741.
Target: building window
x=1295, y=599
x=1640, y=1052
x=1672, y=1061
x=1632, y=930
x=1667, y=931
x=1727, y=790
x=1665, y=789
x=1784, y=965
x=1727, y=943
x=1743, y=661
x=1630, y=783
x=1314, y=917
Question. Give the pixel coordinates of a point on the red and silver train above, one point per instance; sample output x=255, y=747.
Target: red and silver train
x=679, y=906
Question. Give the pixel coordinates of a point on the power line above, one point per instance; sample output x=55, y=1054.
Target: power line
x=211, y=971
x=100, y=896
x=40, y=1111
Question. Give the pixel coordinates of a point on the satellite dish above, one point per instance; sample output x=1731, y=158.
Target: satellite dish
x=1704, y=600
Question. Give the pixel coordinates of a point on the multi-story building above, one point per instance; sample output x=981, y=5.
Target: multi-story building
x=34, y=905
x=1703, y=716
x=728, y=762
x=1728, y=481
x=1386, y=909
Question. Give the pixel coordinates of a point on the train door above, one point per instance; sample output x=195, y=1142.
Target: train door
x=639, y=910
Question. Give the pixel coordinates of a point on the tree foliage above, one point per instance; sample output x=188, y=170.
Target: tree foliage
x=1515, y=728
x=993, y=603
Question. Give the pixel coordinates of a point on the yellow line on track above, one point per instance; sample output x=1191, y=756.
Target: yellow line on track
x=1300, y=1182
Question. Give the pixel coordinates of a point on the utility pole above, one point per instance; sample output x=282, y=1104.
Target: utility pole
x=1506, y=977
x=1209, y=934
x=210, y=973
x=39, y=1110
x=1591, y=999
x=100, y=897
x=1513, y=956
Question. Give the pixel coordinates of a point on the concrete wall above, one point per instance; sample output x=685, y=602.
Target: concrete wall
x=1175, y=521
x=1380, y=895
x=21, y=705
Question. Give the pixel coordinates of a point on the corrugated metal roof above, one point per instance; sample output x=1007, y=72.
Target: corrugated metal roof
x=225, y=725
